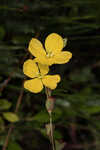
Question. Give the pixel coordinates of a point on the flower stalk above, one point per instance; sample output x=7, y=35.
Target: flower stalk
x=50, y=102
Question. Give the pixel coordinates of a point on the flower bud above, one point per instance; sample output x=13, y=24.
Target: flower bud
x=50, y=102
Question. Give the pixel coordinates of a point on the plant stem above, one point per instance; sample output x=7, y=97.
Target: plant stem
x=51, y=132
x=11, y=126
x=48, y=94
x=7, y=138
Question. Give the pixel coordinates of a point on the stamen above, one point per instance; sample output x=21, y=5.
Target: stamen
x=50, y=54
x=39, y=76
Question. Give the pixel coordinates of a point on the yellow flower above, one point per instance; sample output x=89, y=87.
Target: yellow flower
x=38, y=73
x=52, y=54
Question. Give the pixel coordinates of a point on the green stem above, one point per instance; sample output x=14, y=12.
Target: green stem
x=48, y=94
x=51, y=132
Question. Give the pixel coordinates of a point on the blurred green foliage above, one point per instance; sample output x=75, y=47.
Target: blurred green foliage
x=77, y=111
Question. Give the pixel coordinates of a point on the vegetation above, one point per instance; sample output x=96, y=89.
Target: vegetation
x=77, y=108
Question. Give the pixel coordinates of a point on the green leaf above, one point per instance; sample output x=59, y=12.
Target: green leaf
x=14, y=146
x=42, y=117
x=10, y=116
x=4, y=104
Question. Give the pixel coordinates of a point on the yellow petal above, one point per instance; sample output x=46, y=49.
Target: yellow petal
x=54, y=43
x=30, y=68
x=44, y=69
x=45, y=61
x=51, y=81
x=36, y=48
x=62, y=57
x=33, y=85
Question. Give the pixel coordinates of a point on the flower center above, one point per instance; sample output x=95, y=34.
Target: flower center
x=50, y=54
x=39, y=76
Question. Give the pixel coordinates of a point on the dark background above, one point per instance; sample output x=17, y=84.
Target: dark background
x=77, y=112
